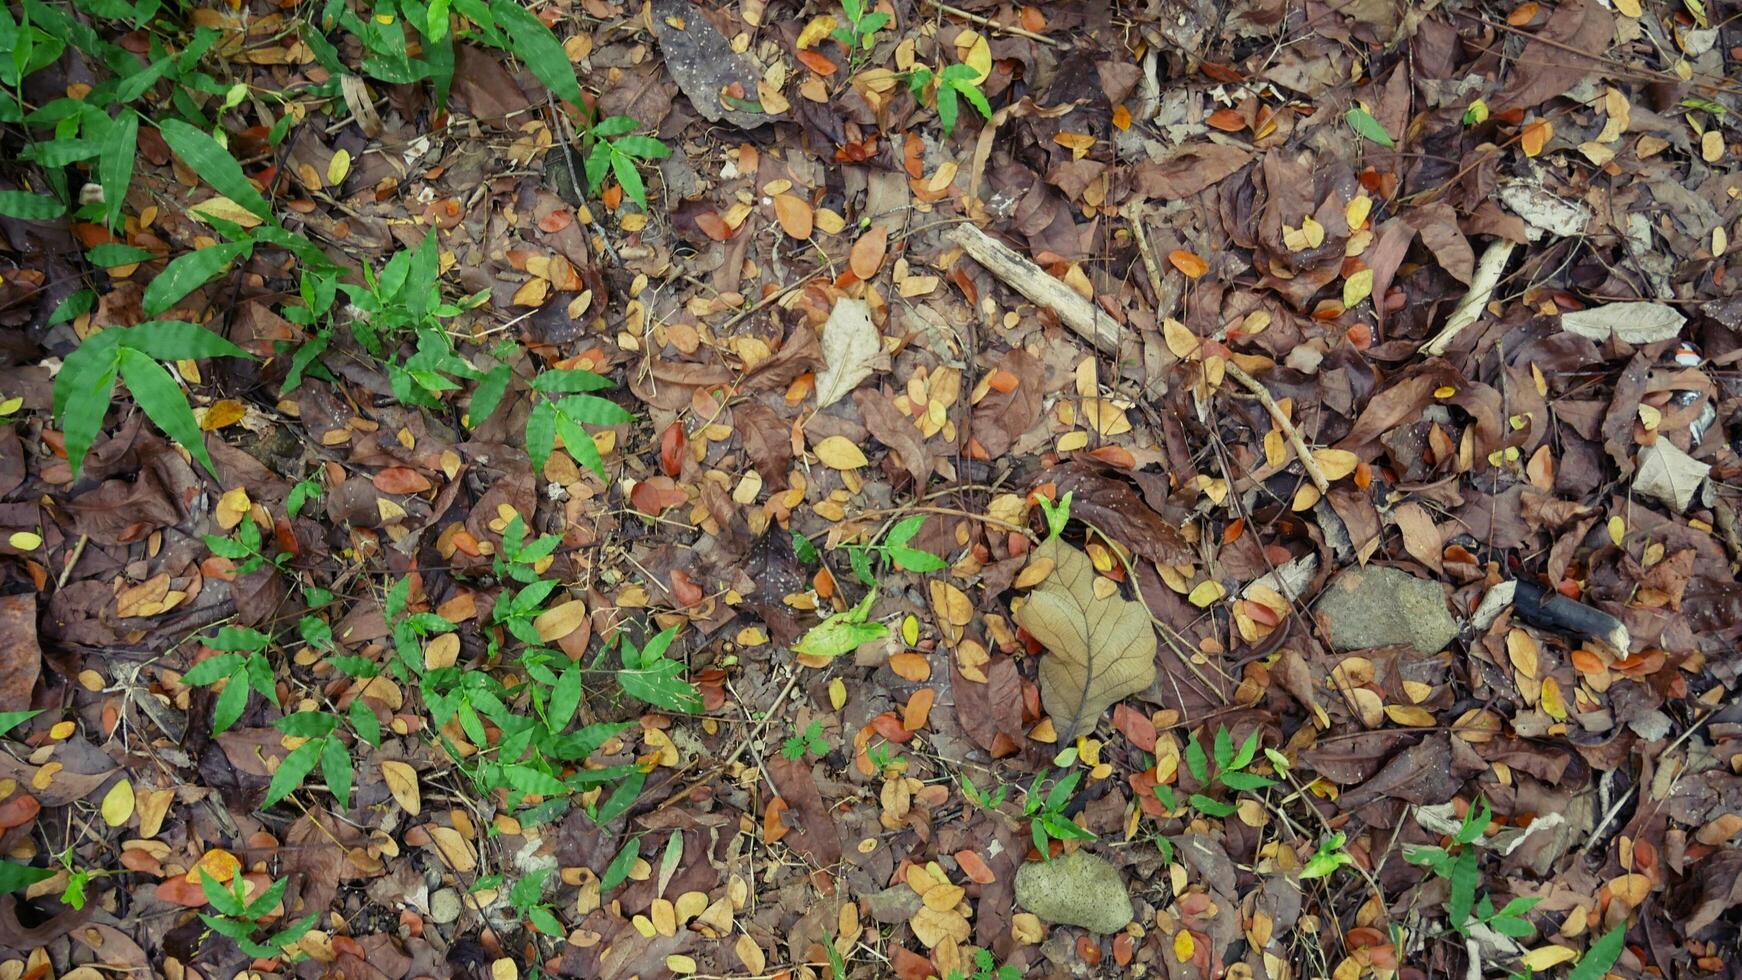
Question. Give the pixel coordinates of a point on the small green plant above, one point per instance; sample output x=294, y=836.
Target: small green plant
x=984, y=799
x=243, y=920
x=808, y=742
x=1459, y=864
x=845, y=631
x=245, y=545
x=651, y=676
x=944, y=86
x=986, y=968
x=1328, y=858
x=1046, y=812
x=884, y=759
x=859, y=34
x=894, y=550
x=561, y=408
x=616, y=151
x=241, y=665
x=131, y=354
x=1229, y=772
x=527, y=895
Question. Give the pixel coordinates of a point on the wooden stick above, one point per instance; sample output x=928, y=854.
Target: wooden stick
x=1289, y=432
x=1469, y=309
x=988, y=22
x=1077, y=313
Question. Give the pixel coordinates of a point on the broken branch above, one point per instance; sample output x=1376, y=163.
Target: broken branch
x=1077, y=313
x=1289, y=432
x=1469, y=309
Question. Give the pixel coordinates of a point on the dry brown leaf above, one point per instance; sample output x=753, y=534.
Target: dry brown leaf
x=402, y=783
x=795, y=215
x=1100, y=649
x=850, y=343
x=867, y=254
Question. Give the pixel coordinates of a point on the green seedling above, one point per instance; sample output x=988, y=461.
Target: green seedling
x=808, y=742
x=244, y=920
x=1229, y=772
x=1046, y=812
x=617, y=152
x=859, y=34
x=1459, y=864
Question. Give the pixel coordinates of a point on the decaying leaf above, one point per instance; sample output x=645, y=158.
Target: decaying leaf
x=1100, y=645
x=850, y=343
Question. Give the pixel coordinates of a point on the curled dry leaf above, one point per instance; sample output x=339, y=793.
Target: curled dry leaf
x=1100, y=645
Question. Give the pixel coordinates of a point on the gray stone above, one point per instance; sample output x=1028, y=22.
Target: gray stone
x=1376, y=607
x=444, y=906
x=1075, y=889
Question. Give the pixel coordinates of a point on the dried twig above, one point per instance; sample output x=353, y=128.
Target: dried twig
x=991, y=24
x=1469, y=309
x=1277, y=415
x=1022, y=275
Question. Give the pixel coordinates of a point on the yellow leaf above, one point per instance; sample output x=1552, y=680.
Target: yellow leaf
x=224, y=209
x=1536, y=136
x=559, y=621
x=402, y=783
x=1522, y=650
x=1183, y=946
x=1122, y=117
x=1336, y=463
x=232, y=507
x=63, y=730
x=338, y=167
x=504, y=969
x=25, y=540
x=1628, y=8
x=1544, y=957
x=840, y=453
x=223, y=413
x=910, y=630
x=1553, y=704
x=1410, y=716
x=1305, y=498
x=817, y=29
x=1206, y=593
x=443, y=651
x=1617, y=530
x=118, y=804
x=220, y=864
x=1356, y=213
x=1357, y=288
x=1180, y=340
x=979, y=56
x=1310, y=234
x=837, y=694
x=10, y=405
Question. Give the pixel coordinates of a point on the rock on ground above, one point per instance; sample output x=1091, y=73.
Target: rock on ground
x=1075, y=889
x=1376, y=607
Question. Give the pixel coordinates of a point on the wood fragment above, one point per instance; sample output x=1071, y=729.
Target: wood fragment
x=1469, y=309
x=1289, y=432
x=991, y=24
x=1022, y=275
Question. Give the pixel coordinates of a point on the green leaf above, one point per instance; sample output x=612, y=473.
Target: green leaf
x=1466, y=875
x=661, y=686
x=30, y=207
x=643, y=147
x=111, y=254
x=213, y=669
x=1210, y=807
x=87, y=389
x=222, y=899
x=977, y=99
x=364, y=723
x=308, y=724
x=840, y=633
x=1602, y=955
x=539, y=48
x=616, y=126
x=12, y=719
x=336, y=768
x=1196, y=762
x=624, y=168
x=188, y=272
x=164, y=403
x=230, y=703
x=292, y=771
x=947, y=107
x=541, y=434
x=215, y=165
x=618, y=870
x=904, y=531
x=1362, y=122
x=1248, y=750
x=529, y=780
x=171, y=340
x=16, y=876
x=487, y=395
x=555, y=382
x=1224, y=748
x=1244, y=782
x=915, y=560
x=115, y=164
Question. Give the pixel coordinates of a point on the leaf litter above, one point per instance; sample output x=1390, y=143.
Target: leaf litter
x=617, y=491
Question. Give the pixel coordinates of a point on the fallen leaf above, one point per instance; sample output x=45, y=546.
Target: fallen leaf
x=839, y=452
x=850, y=343
x=866, y=256
x=402, y=783
x=1100, y=646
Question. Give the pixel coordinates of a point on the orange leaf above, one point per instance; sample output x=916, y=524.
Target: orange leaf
x=672, y=443
x=1033, y=20
x=1522, y=14
x=773, y=828
x=1188, y=263
x=867, y=255
x=1002, y=381
x=180, y=891
x=1535, y=136
x=910, y=667
x=18, y=810
x=918, y=709
x=401, y=479
x=613, y=197
x=975, y=867
x=1117, y=456
x=217, y=862
x=888, y=726
x=556, y=220
x=1122, y=117
x=794, y=213
x=683, y=589
x=818, y=62
x=1227, y=120
x=713, y=226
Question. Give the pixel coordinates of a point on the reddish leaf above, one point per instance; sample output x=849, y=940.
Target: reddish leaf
x=818, y=62
x=683, y=589
x=868, y=252
x=401, y=479
x=672, y=444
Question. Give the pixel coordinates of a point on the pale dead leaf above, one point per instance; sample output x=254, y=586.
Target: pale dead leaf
x=850, y=344
x=1099, y=649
